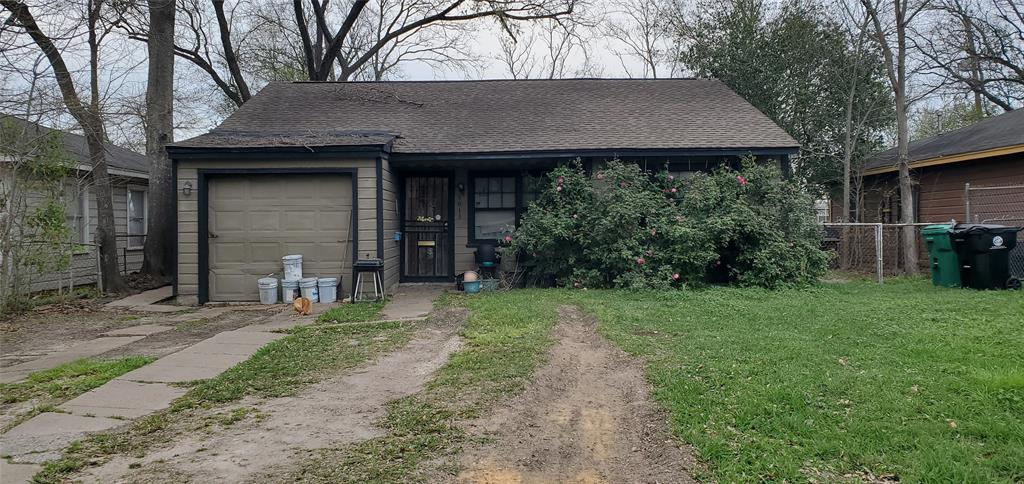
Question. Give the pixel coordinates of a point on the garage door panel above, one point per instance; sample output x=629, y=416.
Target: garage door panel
x=257, y=219
x=299, y=220
x=266, y=221
x=231, y=252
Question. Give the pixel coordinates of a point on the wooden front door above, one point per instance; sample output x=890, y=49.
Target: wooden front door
x=426, y=227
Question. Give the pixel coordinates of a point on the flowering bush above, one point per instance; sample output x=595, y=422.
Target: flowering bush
x=625, y=227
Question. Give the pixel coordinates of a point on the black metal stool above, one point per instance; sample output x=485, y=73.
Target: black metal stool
x=376, y=268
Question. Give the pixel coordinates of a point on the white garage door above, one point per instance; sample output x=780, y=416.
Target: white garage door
x=257, y=219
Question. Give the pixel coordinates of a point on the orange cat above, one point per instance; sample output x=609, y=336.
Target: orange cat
x=302, y=306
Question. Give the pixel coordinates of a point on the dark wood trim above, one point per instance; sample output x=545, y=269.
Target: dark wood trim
x=203, y=238
x=204, y=174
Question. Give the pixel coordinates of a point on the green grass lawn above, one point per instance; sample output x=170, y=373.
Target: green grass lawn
x=352, y=313
x=68, y=380
x=903, y=379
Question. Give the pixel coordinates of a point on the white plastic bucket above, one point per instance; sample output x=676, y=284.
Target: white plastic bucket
x=292, y=267
x=268, y=290
x=328, y=287
x=288, y=289
x=307, y=286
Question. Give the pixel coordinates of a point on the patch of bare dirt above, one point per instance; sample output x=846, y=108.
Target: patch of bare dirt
x=334, y=412
x=586, y=418
x=56, y=327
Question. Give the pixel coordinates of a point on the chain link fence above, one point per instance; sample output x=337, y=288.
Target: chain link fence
x=871, y=248
x=1003, y=205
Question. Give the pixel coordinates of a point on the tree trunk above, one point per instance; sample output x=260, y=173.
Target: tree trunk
x=105, y=232
x=909, y=237
x=158, y=257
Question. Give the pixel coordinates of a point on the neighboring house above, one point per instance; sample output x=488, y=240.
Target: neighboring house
x=130, y=177
x=418, y=174
x=985, y=154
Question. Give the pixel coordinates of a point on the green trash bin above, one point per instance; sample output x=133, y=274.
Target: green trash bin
x=945, y=263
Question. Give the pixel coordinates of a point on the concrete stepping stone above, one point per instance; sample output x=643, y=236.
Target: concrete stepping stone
x=44, y=436
x=17, y=473
x=203, y=360
x=81, y=350
x=127, y=399
x=140, y=330
x=412, y=301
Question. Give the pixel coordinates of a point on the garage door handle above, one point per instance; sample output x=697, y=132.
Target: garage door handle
x=213, y=235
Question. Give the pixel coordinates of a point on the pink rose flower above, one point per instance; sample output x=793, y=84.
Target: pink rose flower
x=508, y=238
x=622, y=184
x=640, y=261
x=654, y=232
x=558, y=188
x=561, y=180
x=679, y=218
x=600, y=175
x=675, y=277
x=674, y=190
x=743, y=181
x=670, y=178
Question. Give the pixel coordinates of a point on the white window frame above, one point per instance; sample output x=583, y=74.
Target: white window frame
x=128, y=215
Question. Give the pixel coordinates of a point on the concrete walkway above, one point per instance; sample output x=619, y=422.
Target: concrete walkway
x=134, y=394
x=412, y=301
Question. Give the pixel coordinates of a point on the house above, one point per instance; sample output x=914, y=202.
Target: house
x=418, y=174
x=129, y=173
x=989, y=153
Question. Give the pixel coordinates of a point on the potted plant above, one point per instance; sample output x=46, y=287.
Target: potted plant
x=509, y=262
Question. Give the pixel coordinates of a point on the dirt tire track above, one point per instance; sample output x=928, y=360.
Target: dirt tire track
x=337, y=411
x=586, y=418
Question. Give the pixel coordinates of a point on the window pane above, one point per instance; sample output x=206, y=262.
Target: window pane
x=493, y=184
x=494, y=200
x=136, y=217
x=490, y=224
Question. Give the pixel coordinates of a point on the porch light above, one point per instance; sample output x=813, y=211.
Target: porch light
x=186, y=189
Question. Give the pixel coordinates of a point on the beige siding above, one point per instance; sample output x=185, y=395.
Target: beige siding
x=464, y=256
x=82, y=270
x=188, y=248
x=392, y=250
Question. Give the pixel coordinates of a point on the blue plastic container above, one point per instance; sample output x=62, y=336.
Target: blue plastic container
x=471, y=287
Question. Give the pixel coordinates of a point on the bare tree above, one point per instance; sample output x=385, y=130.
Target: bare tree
x=87, y=114
x=642, y=29
x=516, y=55
x=159, y=128
x=891, y=21
x=363, y=41
x=976, y=47
x=546, y=49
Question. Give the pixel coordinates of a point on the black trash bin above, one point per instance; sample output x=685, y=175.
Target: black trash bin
x=984, y=253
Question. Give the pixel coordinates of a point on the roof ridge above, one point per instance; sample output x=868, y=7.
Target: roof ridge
x=564, y=79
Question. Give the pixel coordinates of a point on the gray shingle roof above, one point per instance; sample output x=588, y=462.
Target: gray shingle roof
x=990, y=133
x=500, y=116
x=117, y=157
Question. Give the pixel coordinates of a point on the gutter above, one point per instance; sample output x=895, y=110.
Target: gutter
x=956, y=158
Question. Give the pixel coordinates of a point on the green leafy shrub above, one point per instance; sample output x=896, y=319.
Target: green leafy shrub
x=626, y=227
